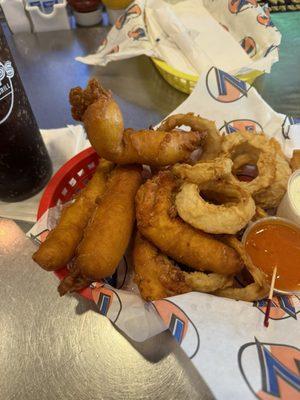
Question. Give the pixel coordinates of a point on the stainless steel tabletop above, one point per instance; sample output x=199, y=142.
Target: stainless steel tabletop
x=53, y=348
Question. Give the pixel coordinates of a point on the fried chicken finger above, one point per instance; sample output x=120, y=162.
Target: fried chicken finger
x=158, y=222
x=60, y=245
x=104, y=124
x=108, y=233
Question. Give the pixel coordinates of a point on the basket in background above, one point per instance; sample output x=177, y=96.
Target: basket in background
x=185, y=82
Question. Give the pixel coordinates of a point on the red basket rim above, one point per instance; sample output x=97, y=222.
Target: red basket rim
x=45, y=202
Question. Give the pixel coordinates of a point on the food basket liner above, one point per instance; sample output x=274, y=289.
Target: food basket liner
x=226, y=340
x=184, y=34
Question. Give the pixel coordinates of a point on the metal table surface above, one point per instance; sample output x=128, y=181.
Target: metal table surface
x=53, y=348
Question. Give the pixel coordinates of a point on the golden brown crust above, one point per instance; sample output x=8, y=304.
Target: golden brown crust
x=59, y=247
x=103, y=121
x=155, y=274
x=253, y=291
x=109, y=230
x=81, y=99
x=295, y=160
x=211, y=146
x=175, y=238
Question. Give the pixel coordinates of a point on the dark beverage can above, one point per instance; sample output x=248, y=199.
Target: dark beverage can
x=25, y=166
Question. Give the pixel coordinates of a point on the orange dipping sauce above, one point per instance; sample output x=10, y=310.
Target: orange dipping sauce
x=272, y=243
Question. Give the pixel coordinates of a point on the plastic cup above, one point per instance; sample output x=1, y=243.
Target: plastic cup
x=279, y=219
x=287, y=208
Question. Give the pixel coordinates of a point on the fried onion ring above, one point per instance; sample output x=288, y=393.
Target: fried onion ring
x=212, y=144
x=262, y=154
x=157, y=221
x=103, y=122
x=155, y=274
x=228, y=217
x=252, y=292
x=272, y=195
x=207, y=283
x=295, y=160
x=204, y=171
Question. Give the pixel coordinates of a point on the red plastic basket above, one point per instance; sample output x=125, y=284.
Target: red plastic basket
x=67, y=182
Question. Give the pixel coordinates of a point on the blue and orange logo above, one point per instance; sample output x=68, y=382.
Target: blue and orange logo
x=249, y=45
x=107, y=300
x=277, y=366
x=241, y=125
x=180, y=325
x=137, y=34
x=237, y=6
x=286, y=125
x=224, y=87
x=265, y=18
x=133, y=11
x=282, y=307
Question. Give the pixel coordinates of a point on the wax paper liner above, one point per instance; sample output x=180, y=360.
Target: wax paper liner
x=237, y=356
x=136, y=32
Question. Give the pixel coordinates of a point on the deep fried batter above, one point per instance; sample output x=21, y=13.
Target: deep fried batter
x=295, y=160
x=238, y=144
x=204, y=171
x=254, y=291
x=269, y=186
x=109, y=231
x=103, y=121
x=157, y=221
x=271, y=196
x=155, y=274
x=234, y=209
x=59, y=247
x=211, y=146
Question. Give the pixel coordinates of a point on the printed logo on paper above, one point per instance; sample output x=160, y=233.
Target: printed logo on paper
x=7, y=72
x=249, y=45
x=286, y=125
x=107, y=300
x=180, y=325
x=137, y=34
x=282, y=307
x=241, y=125
x=271, y=370
x=237, y=6
x=40, y=237
x=265, y=18
x=224, y=87
x=133, y=11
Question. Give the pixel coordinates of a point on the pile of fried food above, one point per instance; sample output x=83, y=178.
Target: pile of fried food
x=186, y=216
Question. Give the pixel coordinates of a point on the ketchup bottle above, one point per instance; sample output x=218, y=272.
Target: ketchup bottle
x=25, y=166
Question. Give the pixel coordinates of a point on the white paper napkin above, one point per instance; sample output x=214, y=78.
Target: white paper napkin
x=62, y=144
x=192, y=35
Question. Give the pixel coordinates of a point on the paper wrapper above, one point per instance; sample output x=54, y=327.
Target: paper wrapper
x=237, y=356
x=192, y=35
